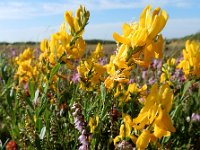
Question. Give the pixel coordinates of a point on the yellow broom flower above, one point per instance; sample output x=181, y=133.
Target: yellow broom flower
x=190, y=63
x=125, y=131
x=156, y=108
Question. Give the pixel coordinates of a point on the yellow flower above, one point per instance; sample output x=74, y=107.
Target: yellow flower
x=44, y=45
x=139, y=37
x=141, y=40
x=26, y=55
x=166, y=71
x=125, y=131
x=69, y=18
x=159, y=132
x=171, y=62
x=91, y=74
x=155, y=22
x=190, y=63
x=78, y=22
x=156, y=108
x=143, y=140
x=98, y=52
x=118, y=77
x=126, y=94
x=93, y=123
x=26, y=68
x=120, y=60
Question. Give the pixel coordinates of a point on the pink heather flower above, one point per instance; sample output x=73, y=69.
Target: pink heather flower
x=13, y=52
x=144, y=74
x=124, y=145
x=103, y=61
x=195, y=117
x=142, y=99
x=159, y=65
x=83, y=147
x=156, y=64
x=132, y=81
x=26, y=89
x=83, y=139
x=152, y=80
x=80, y=125
x=75, y=77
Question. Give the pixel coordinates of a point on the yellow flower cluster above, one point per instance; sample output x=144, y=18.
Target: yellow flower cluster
x=190, y=64
x=141, y=40
x=153, y=121
x=25, y=70
x=91, y=72
x=154, y=116
x=139, y=44
x=65, y=46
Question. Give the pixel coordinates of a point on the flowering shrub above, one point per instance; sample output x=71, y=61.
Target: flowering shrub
x=64, y=99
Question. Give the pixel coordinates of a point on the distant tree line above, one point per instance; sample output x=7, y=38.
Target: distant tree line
x=93, y=41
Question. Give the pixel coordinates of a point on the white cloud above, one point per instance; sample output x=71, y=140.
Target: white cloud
x=24, y=9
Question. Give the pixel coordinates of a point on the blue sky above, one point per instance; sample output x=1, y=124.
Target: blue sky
x=33, y=20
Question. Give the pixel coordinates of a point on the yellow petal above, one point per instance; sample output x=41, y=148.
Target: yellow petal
x=133, y=138
x=164, y=121
x=144, y=15
x=166, y=97
x=132, y=88
x=143, y=140
x=69, y=19
x=116, y=139
x=126, y=29
x=159, y=133
x=121, y=39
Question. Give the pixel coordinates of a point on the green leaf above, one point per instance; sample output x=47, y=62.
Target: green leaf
x=29, y=102
x=42, y=108
x=103, y=92
x=176, y=111
x=9, y=100
x=31, y=89
x=199, y=91
x=186, y=87
x=38, y=123
x=54, y=70
x=42, y=133
x=30, y=113
x=5, y=73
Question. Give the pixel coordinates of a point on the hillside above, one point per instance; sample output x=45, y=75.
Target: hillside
x=173, y=47
x=195, y=36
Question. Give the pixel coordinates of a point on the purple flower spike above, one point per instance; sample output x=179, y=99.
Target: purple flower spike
x=80, y=125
